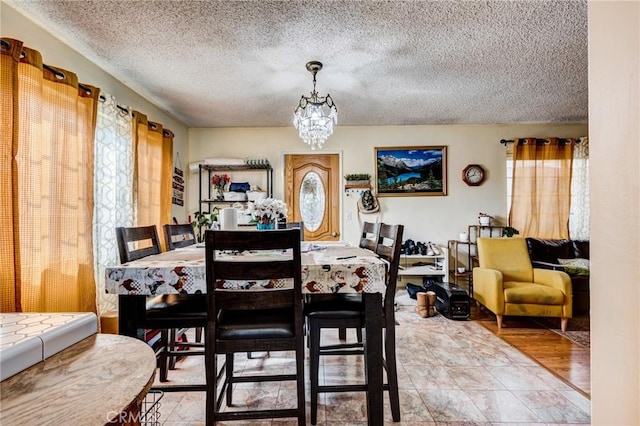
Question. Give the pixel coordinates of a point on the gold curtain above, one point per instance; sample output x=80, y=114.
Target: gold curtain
x=541, y=192
x=9, y=277
x=153, y=173
x=49, y=133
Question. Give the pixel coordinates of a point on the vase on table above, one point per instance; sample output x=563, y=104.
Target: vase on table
x=265, y=224
x=220, y=192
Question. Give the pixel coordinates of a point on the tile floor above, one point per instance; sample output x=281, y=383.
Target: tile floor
x=450, y=373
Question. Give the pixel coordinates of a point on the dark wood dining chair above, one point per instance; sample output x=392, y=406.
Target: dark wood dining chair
x=297, y=225
x=369, y=235
x=242, y=321
x=179, y=236
x=137, y=242
x=163, y=312
x=349, y=313
x=368, y=240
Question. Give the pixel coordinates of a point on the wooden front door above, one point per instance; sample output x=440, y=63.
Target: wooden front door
x=312, y=194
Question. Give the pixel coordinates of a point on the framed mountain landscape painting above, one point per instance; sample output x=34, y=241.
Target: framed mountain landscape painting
x=411, y=170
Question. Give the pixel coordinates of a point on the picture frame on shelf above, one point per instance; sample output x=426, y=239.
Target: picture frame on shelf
x=411, y=171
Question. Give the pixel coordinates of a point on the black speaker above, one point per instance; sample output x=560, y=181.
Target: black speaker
x=452, y=301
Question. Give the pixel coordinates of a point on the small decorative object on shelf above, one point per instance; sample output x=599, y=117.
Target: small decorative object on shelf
x=485, y=219
x=219, y=182
x=267, y=211
x=358, y=179
x=509, y=231
x=256, y=162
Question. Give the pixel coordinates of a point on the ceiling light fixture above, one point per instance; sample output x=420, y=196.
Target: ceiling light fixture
x=315, y=115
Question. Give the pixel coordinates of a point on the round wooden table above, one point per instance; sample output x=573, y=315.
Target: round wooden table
x=100, y=380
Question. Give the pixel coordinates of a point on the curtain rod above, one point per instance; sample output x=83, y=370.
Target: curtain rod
x=506, y=141
x=165, y=132
x=120, y=107
x=60, y=75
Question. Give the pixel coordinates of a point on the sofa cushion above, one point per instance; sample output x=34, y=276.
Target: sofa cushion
x=533, y=294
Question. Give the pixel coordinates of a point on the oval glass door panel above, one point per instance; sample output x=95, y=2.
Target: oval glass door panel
x=312, y=201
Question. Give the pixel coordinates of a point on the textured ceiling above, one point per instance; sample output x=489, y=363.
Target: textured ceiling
x=228, y=63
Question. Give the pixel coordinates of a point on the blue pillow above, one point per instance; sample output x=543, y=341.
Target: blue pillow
x=239, y=187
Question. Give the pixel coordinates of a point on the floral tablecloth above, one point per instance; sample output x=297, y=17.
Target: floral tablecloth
x=325, y=269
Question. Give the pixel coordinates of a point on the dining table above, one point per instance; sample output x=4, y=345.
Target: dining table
x=327, y=268
x=101, y=380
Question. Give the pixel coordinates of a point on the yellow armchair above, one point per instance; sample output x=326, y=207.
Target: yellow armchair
x=507, y=284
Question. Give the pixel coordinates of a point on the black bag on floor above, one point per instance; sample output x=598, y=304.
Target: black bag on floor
x=413, y=290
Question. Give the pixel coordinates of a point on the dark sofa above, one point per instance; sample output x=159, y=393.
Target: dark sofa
x=555, y=254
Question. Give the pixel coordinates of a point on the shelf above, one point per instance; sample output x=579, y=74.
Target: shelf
x=222, y=201
x=357, y=186
x=478, y=231
x=425, y=265
x=205, y=189
x=421, y=270
x=237, y=167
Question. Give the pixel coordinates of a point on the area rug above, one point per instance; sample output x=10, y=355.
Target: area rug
x=578, y=329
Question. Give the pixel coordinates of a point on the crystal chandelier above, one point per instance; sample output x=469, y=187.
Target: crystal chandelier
x=315, y=115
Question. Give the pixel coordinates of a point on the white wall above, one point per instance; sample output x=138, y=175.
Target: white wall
x=426, y=218
x=614, y=139
x=55, y=52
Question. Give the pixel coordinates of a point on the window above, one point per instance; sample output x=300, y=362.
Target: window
x=579, y=210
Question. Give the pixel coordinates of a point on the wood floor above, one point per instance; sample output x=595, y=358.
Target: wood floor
x=567, y=360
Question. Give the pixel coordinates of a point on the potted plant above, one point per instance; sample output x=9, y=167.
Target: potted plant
x=509, y=231
x=357, y=178
x=485, y=219
x=267, y=211
x=203, y=221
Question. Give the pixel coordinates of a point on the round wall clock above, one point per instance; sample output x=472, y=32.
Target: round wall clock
x=473, y=174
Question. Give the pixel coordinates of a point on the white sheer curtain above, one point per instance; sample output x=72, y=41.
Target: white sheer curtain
x=579, y=217
x=113, y=189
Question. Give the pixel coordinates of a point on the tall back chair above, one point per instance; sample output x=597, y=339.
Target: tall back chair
x=178, y=236
x=388, y=248
x=137, y=242
x=349, y=313
x=164, y=312
x=297, y=225
x=507, y=284
x=243, y=321
x=369, y=235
